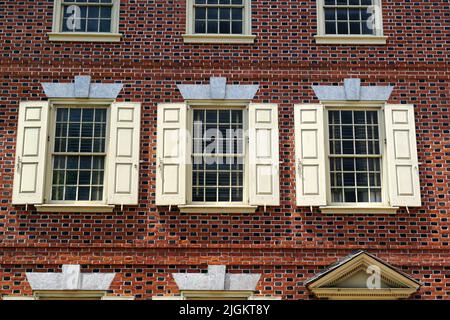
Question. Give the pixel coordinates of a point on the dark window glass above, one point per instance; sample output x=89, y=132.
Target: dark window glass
x=218, y=148
x=349, y=17
x=86, y=16
x=219, y=17
x=355, y=156
x=79, y=177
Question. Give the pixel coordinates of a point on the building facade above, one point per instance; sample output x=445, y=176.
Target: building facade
x=210, y=149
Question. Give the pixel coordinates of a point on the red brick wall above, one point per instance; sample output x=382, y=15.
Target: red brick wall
x=288, y=245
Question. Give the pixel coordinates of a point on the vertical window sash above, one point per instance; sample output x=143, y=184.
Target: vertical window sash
x=233, y=190
x=219, y=6
x=79, y=154
x=367, y=155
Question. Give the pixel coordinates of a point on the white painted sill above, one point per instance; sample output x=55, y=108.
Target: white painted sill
x=350, y=40
x=219, y=38
x=84, y=36
x=94, y=208
x=358, y=210
x=18, y=298
x=217, y=209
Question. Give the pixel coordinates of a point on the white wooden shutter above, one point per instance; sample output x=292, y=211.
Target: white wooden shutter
x=401, y=153
x=310, y=155
x=123, y=153
x=31, y=153
x=171, y=154
x=264, y=184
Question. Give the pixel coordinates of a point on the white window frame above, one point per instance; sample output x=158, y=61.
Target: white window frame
x=74, y=206
x=341, y=39
x=58, y=35
x=245, y=37
x=363, y=207
x=245, y=189
x=51, y=144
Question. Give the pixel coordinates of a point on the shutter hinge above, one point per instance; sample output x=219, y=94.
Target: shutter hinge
x=385, y=141
x=48, y=138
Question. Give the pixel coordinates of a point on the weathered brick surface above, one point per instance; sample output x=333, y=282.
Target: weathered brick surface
x=286, y=244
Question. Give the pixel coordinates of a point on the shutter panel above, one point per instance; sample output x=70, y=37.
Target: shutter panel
x=310, y=155
x=401, y=153
x=264, y=185
x=171, y=154
x=31, y=145
x=123, y=153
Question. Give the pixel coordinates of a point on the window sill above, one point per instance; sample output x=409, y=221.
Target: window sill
x=358, y=210
x=218, y=209
x=350, y=40
x=219, y=38
x=95, y=208
x=85, y=36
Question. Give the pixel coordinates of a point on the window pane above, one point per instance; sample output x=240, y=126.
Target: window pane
x=81, y=17
x=74, y=177
x=105, y=25
x=353, y=177
x=217, y=132
x=236, y=27
x=348, y=17
x=219, y=16
x=78, y=176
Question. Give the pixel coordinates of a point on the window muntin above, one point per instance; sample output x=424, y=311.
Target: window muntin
x=86, y=15
x=219, y=16
x=355, y=156
x=78, y=158
x=218, y=155
x=349, y=17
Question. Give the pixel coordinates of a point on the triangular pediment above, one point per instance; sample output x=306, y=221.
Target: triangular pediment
x=362, y=276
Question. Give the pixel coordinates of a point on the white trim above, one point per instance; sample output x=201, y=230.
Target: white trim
x=18, y=298
x=84, y=36
x=219, y=207
x=363, y=293
x=74, y=208
x=58, y=35
x=358, y=209
x=69, y=294
x=350, y=39
x=245, y=37
x=219, y=38
x=229, y=208
x=340, y=39
x=361, y=208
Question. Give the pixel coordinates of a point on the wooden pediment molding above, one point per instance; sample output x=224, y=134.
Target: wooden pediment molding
x=362, y=276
